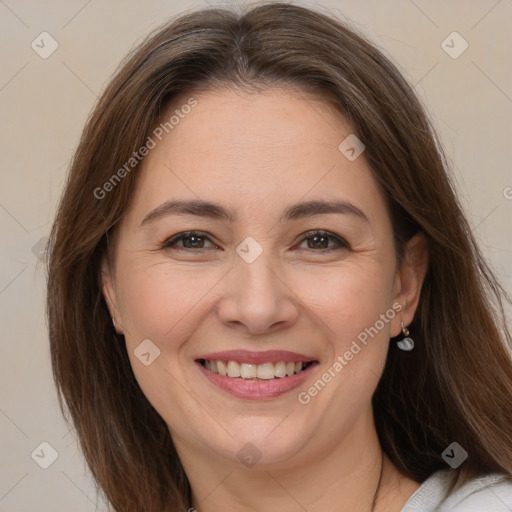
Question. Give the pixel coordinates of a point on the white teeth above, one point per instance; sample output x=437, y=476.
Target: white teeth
x=248, y=371
x=280, y=369
x=233, y=369
x=265, y=371
x=222, y=368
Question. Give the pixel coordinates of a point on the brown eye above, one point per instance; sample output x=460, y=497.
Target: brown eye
x=190, y=240
x=320, y=240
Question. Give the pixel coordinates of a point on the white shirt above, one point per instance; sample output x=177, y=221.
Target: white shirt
x=491, y=493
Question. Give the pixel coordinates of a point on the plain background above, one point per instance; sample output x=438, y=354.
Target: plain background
x=44, y=104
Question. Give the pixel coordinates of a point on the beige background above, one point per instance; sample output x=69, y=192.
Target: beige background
x=44, y=104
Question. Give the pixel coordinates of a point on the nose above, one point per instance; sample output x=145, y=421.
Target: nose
x=256, y=299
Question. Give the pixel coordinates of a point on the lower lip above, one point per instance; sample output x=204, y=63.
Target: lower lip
x=257, y=389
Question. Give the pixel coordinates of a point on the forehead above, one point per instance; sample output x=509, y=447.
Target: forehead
x=241, y=124
x=254, y=149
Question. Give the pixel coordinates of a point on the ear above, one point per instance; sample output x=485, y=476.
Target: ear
x=409, y=280
x=107, y=285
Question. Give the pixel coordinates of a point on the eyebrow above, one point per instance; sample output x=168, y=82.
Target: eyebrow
x=212, y=210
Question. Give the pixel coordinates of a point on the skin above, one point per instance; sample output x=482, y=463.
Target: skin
x=258, y=153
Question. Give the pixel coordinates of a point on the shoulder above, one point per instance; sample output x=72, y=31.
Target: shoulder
x=492, y=493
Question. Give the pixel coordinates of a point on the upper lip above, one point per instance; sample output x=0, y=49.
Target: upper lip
x=260, y=357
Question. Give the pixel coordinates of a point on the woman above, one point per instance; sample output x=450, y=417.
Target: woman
x=262, y=289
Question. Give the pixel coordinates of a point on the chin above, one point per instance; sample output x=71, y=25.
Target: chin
x=267, y=441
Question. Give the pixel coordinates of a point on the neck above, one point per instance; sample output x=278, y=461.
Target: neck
x=353, y=476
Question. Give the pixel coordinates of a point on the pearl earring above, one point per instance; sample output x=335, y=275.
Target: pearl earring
x=406, y=344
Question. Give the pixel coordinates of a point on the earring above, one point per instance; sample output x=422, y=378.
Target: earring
x=406, y=344
x=113, y=322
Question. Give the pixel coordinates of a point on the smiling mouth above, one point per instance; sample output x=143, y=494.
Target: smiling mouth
x=255, y=372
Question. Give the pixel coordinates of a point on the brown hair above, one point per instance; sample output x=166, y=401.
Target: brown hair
x=457, y=383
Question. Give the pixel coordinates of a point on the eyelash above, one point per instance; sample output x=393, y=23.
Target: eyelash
x=171, y=242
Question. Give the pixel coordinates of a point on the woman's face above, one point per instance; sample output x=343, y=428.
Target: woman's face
x=254, y=285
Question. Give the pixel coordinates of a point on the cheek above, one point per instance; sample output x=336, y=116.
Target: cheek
x=356, y=312
x=159, y=303
x=164, y=306
x=348, y=299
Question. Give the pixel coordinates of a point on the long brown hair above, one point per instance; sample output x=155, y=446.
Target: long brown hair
x=457, y=383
